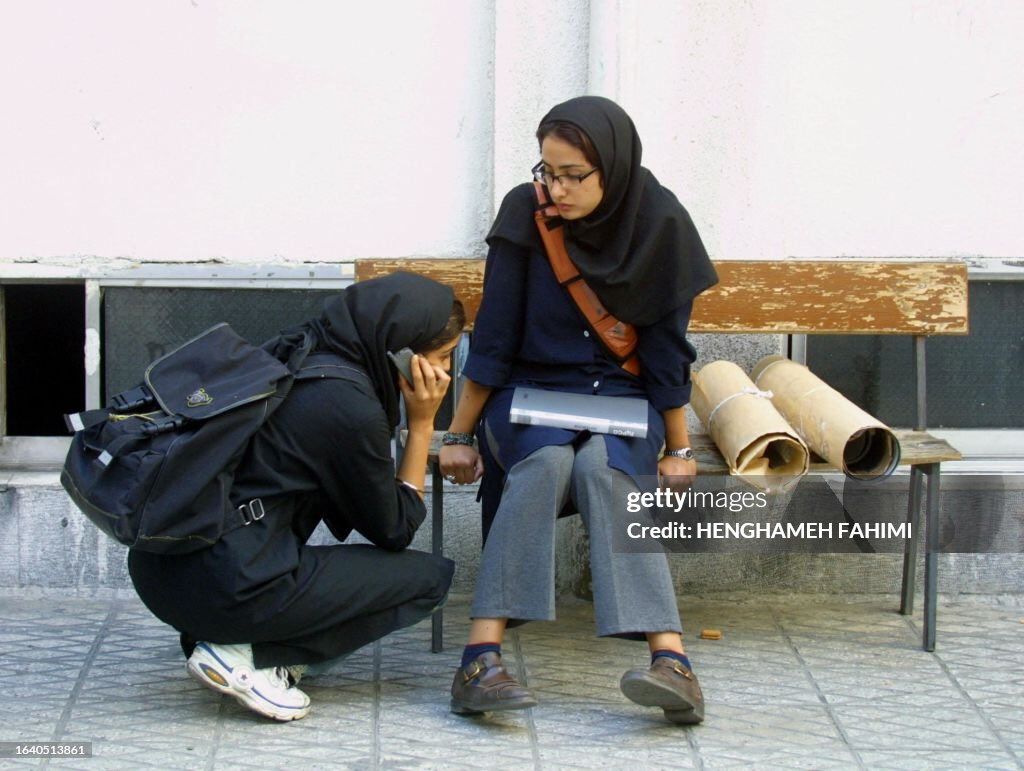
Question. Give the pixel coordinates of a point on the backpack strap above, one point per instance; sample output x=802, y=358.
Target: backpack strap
x=79, y=421
x=618, y=337
x=321, y=365
x=324, y=365
x=133, y=398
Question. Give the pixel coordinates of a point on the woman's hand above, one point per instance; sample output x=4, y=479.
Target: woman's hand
x=676, y=474
x=423, y=398
x=461, y=464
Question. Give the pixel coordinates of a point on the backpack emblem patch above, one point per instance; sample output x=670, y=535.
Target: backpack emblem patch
x=198, y=398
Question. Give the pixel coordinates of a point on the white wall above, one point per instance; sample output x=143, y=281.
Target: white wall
x=540, y=56
x=800, y=128
x=321, y=130
x=250, y=131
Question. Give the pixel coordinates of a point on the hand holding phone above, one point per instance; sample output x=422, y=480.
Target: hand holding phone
x=403, y=363
x=424, y=387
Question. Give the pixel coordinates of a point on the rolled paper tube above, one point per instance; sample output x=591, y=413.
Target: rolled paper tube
x=832, y=426
x=752, y=436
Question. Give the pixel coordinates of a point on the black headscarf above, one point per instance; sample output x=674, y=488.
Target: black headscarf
x=639, y=249
x=384, y=314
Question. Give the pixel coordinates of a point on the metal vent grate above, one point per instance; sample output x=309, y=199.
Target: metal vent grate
x=142, y=324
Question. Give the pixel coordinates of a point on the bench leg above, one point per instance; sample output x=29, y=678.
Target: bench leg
x=931, y=556
x=910, y=549
x=437, y=547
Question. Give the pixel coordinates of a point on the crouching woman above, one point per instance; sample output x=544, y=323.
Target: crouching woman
x=261, y=606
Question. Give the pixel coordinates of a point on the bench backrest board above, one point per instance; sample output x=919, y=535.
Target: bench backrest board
x=855, y=296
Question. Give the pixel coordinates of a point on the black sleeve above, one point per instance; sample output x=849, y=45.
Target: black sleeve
x=665, y=358
x=350, y=453
x=498, y=330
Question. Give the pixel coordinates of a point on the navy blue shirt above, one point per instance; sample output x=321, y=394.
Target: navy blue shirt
x=528, y=332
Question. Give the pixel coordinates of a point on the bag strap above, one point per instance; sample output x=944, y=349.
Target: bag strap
x=126, y=401
x=324, y=365
x=618, y=337
x=247, y=513
x=321, y=365
x=307, y=366
x=79, y=421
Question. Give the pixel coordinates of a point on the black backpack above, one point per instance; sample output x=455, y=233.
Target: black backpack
x=155, y=469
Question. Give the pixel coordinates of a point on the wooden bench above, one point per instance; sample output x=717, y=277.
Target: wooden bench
x=800, y=297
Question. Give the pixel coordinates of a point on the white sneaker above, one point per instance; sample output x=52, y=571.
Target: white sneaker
x=229, y=669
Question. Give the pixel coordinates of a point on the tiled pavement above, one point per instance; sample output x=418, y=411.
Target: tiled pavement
x=795, y=682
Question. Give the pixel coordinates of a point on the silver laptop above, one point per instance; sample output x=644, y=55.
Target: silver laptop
x=621, y=416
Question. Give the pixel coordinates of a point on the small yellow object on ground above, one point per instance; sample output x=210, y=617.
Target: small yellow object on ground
x=710, y=634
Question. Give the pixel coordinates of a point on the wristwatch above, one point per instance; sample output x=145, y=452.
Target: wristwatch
x=686, y=453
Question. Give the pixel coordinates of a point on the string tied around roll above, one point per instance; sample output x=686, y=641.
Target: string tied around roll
x=748, y=391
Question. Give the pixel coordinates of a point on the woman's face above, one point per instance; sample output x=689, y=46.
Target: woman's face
x=576, y=201
x=441, y=357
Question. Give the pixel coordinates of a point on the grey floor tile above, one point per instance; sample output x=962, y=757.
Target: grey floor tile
x=166, y=754
x=793, y=683
x=898, y=692
x=756, y=757
x=483, y=758
x=431, y=734
x=35, y=721
x=791, y=728
x=752, y=689
x=912, y=728
x=992, y=688
x=619, y=758
x=622, y=725
x=82, y=764
x=1008, y=723
x=937, y=761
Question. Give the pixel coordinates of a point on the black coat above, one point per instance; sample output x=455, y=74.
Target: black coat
x=324, y=455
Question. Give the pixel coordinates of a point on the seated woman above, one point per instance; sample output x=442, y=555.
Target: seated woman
x=261, y=603
x=637, y=249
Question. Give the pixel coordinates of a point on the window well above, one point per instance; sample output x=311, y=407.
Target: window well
x=43, y=357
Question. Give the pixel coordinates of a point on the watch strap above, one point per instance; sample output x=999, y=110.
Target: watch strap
x=685, y=453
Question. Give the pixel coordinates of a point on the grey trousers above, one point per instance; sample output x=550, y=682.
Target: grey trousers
x=633, y=593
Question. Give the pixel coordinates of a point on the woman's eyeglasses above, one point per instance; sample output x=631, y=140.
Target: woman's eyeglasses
x=567, y=181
